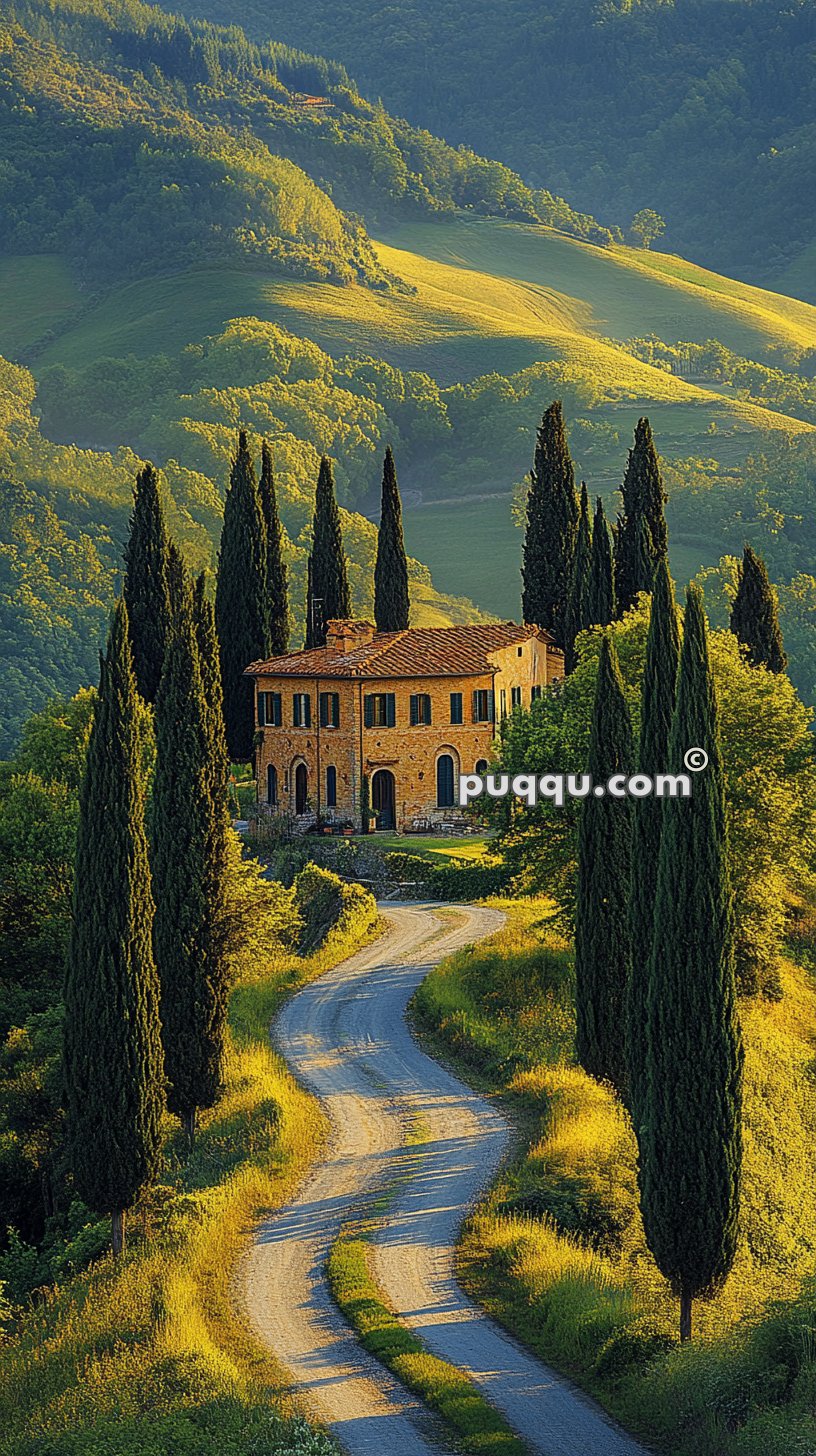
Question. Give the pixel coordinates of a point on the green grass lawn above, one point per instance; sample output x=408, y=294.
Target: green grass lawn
x=471, y=847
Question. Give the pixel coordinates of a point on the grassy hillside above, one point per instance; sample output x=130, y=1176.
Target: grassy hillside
x=701, y=109
x=499, y=318
x=557, y=1250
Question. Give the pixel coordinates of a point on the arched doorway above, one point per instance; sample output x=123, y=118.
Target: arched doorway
x=301, y=788
x=384, y=798
x=271, y=784
x=445, y=798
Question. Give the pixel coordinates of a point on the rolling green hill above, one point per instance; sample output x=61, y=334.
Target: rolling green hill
x=702, y=109
x=409, y=315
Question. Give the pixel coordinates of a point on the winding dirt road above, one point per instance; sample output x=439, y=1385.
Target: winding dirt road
x=345, y=1037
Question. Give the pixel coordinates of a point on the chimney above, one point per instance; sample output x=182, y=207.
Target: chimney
x=344, y=636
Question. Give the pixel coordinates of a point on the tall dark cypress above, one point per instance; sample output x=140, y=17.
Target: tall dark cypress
x=658, y=691
x=691, y=1122
x=112, y=1059
x=644, y=499
x=240, y=600
x=602, y=943
x=177, y=583
x=577, y=616
x=755, y=615
x=210, y=665
x=277, y=583
x=145, y=587
x=552, y=527
x=391, y=605
x=188, y=884
x=601, y=604
x=328, y=595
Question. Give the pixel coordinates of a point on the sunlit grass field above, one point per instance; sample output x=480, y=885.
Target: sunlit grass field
x=151, y=1356
x=557, y=1251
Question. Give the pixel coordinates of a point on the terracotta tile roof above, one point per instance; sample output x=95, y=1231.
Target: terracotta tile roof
x=414, y=652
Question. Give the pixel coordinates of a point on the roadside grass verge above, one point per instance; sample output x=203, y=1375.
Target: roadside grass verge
x=476, y=1426
x=150, y=1355
x=556, y=1251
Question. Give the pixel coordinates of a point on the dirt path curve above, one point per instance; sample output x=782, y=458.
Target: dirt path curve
x=345, y=1037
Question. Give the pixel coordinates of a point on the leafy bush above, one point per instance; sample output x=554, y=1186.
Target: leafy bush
x=328, y=906
x=636, y=1345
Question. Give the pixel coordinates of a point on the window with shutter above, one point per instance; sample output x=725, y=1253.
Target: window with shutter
x=515, y=697
x=301, y=710
x=444, y=782
x=482, y=706
x=535, y=693
x=330, y=710
x=456, y=708
x=502, y=703
x=262, y=710
x=420, y=708
x=379, y=710
x=331, y=787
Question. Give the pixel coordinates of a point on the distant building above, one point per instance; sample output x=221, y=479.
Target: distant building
x=410, y=710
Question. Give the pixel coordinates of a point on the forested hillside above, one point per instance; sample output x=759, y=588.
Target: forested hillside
x=702, y=109
x=133, y=142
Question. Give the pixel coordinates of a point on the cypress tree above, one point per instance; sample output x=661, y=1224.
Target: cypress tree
x=112, y=1057
x=145, y=587
x=658, y=690
x=602, y=944
x=178, y=585
x=644, y=499
x=277, y=584
x=690, y=1124
x=601, y=606
x=328, y=595
x=391, y=605
x=188, y=881
x=577, y=610
x=552, y=526
x=755, y=615
x=240, y=600
x=207, y=643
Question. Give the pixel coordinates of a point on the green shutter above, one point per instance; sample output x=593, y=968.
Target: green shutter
x=490, y=707
x=368, y=710
x=414, y=709
x=262, y=710
x=277, y=712
x=307, y=711
x=427, y=708
x=296, y=710
x=390, y=710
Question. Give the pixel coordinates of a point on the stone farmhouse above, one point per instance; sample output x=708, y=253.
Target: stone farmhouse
x=409, y=710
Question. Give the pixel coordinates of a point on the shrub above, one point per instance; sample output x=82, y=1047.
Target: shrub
x=326, y=905
x=634, y=1347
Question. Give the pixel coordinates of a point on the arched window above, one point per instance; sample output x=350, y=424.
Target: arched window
x=301, y=788
x=271, y=784
x=481, y=766
x=444, y=782
x=331, y=787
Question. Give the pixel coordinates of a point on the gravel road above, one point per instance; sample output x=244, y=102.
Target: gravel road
x=345, y=1037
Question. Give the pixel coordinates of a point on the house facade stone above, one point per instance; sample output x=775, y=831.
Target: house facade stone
x=408, y=710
